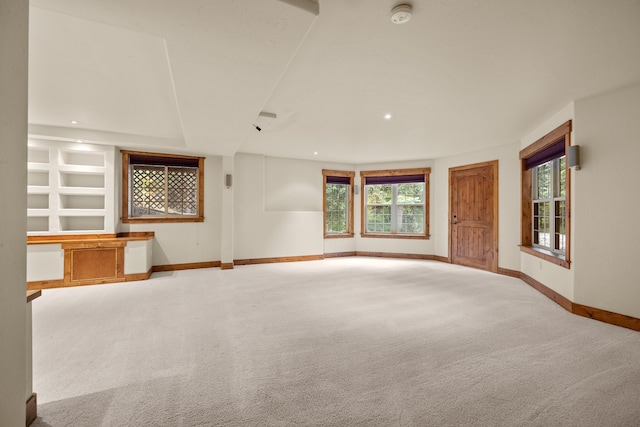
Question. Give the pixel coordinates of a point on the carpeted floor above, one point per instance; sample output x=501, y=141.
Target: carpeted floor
x=339, y=342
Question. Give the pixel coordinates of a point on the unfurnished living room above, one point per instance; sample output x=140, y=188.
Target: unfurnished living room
x=319, y=213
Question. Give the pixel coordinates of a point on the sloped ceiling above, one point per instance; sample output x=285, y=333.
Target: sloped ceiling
x=189, y=74
x=193, y=76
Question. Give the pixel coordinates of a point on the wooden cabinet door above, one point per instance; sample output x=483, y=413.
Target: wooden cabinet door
x=473, y=215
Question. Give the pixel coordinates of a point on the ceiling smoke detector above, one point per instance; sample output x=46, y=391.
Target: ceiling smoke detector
x=401, y=14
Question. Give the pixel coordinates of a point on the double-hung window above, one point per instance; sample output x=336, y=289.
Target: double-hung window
x=162, y=188
x=338, y=203
x=546, y=197
x=395, y=203
x=549, y=205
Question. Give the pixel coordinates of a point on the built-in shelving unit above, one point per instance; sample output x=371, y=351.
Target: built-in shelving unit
x=70, y=188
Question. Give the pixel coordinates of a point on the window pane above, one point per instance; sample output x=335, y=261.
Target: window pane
x=560, y=240
x=378, y=218
x=411, y=219
x=148, y=191
x=395, y=208
x=544, y=181
x=411, y=193
x=379, y=194
x=337, y=208
x=562, y=175
x=183, y=191
x=541, y=224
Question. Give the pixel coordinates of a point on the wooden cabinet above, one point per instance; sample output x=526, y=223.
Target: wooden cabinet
x=93, y=262
x=88, y=259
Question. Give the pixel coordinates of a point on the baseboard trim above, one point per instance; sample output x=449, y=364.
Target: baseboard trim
x=226, y=266
x=339, y=254
x=508, y=272
x=599, y=314
x=138, y=276
x=442, y=259
x=250, y=261
x=396, y=255
x=185, y=266
x=606, y=316
x=548, y=292
x=32, y=408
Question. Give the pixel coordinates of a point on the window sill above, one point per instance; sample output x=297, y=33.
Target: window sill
x=547, y=256
x=339, y=236
x=157, y=220
x=395, y=236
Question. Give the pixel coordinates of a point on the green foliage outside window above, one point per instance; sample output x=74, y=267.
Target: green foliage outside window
x=395, y=208
x=337, y=208
x=549, y=205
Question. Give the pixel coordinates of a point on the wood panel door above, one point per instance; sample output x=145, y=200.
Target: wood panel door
x=473, y=215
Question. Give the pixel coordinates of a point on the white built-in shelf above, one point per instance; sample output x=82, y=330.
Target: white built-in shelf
x=80, y=224
x=70, y=188
x=81, y=212
x=38, y=212
x=38, y=189
x=32, y=166
x=82, y=191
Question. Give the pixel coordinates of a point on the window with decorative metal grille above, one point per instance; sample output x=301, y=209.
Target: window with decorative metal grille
x=162, y=188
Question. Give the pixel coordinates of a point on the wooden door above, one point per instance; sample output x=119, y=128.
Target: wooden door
x=473, y=215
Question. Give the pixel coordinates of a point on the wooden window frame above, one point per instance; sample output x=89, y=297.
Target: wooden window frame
x=126, y=155
x=395, y=172
x=526, y=224
x=351, y=175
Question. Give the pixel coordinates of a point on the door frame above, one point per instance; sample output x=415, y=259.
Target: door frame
x=493, y=164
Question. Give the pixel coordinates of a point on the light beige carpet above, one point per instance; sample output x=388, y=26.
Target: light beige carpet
x=339, y=342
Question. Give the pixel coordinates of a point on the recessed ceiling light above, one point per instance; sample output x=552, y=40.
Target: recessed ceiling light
x=75, y=122
x=80, y=140
x=315, y=153
x=388, y=116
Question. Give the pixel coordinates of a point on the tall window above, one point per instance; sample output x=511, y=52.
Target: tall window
x=162, y=188
x=338, y=203
x=395, y=203
x=546, y=197
x=549, y=205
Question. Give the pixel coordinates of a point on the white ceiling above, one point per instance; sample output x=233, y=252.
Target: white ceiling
x=193, y=75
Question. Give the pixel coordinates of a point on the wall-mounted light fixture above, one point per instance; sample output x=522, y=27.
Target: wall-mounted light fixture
x=573, y=157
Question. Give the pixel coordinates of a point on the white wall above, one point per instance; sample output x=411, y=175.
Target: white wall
x=45, y=262
x=607, y=202
x=278, y=207
x=508, y=200
x=292, y=185
x=557, y=278
x=15, y=344
x=181, y=243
